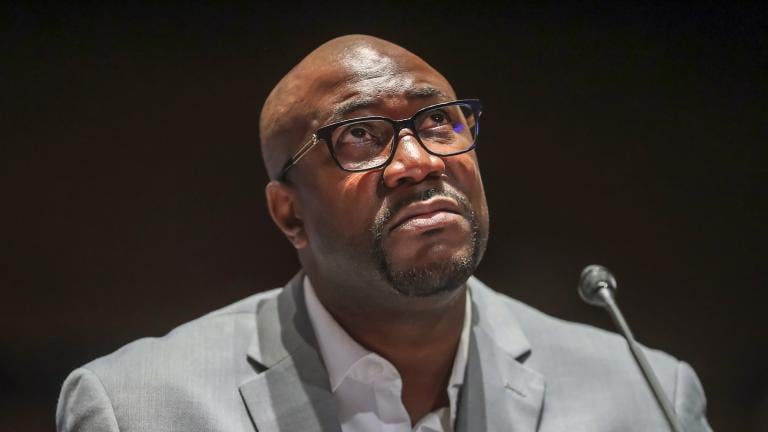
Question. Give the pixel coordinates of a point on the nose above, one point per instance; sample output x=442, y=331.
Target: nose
x=411, y=162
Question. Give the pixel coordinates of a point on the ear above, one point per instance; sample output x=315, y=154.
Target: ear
x=285, y=210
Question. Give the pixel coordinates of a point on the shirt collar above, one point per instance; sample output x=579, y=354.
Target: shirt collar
x=340, y=352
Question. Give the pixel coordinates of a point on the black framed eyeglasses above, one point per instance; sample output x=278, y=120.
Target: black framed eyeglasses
x=369, y=143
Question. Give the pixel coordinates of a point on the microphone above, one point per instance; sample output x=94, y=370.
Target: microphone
x=597, y=286
x=593, y=279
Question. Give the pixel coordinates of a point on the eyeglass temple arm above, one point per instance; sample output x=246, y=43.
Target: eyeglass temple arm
x=303, y=150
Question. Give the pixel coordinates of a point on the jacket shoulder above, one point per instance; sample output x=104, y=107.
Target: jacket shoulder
x=217, y=331
x=552, y=335
x=574, y=355
x=151, y=383
x=590, y=370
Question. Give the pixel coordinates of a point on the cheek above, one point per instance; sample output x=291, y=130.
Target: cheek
x=465, y=173
x=357, y=194
x=345, y=207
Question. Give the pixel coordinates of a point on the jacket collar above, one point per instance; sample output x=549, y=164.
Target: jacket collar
x=500, y=392
x=293, y=391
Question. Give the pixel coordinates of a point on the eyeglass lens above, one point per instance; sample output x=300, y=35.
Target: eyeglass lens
x=367, y=144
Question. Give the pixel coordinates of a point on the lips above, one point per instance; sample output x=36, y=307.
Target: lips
x=425, y=213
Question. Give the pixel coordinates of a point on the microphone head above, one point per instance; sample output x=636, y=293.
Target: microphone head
x=593, y=278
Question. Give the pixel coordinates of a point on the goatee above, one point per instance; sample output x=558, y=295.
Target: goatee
x=438, y=277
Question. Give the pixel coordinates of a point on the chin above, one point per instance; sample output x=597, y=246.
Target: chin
x=444, y=273
x=431, y=279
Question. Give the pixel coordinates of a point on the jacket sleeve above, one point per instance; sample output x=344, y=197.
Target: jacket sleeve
x=690, y=402
x=84, y=405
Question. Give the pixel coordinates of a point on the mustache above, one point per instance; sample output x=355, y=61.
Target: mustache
x=389, y=211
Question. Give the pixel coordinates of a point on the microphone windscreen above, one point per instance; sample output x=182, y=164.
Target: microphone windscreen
x=593, y=278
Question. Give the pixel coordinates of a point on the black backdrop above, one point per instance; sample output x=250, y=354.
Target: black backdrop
x=632, y=135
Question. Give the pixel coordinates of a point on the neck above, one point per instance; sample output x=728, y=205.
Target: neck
x=402, y=325
x=419, y=336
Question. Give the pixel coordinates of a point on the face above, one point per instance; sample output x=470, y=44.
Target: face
x=417, y=227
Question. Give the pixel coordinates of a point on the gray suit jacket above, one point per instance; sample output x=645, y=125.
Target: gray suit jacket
x=255, y=365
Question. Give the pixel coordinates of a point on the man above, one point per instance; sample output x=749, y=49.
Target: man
x=384, y=329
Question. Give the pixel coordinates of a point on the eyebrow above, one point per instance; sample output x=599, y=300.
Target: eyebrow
x=356, y=104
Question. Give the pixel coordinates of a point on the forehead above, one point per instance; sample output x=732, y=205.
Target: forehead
x=365, y=79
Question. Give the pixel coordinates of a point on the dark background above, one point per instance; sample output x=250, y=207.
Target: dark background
x=631, y=135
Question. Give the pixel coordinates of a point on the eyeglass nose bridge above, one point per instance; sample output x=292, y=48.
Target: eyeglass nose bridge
x=397, y=127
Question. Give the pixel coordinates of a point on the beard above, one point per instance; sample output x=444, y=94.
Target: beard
x=437, y=277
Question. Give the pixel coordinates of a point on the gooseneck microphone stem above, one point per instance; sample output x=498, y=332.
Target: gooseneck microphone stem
x=605, y=293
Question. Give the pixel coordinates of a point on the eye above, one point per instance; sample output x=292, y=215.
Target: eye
x=436, y=120
x=362, y=143
x=357, y=132
x=438, y=117
x=363, y=134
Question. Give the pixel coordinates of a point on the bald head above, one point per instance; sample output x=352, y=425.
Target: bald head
x=308, y=96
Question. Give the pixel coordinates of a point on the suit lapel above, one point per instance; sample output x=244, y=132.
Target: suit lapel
x=499, y=393
x=292, y=392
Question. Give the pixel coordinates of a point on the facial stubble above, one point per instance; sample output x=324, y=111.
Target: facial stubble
x=441, y=275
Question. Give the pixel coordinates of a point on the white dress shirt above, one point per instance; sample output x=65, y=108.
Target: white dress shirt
x=367, y=387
